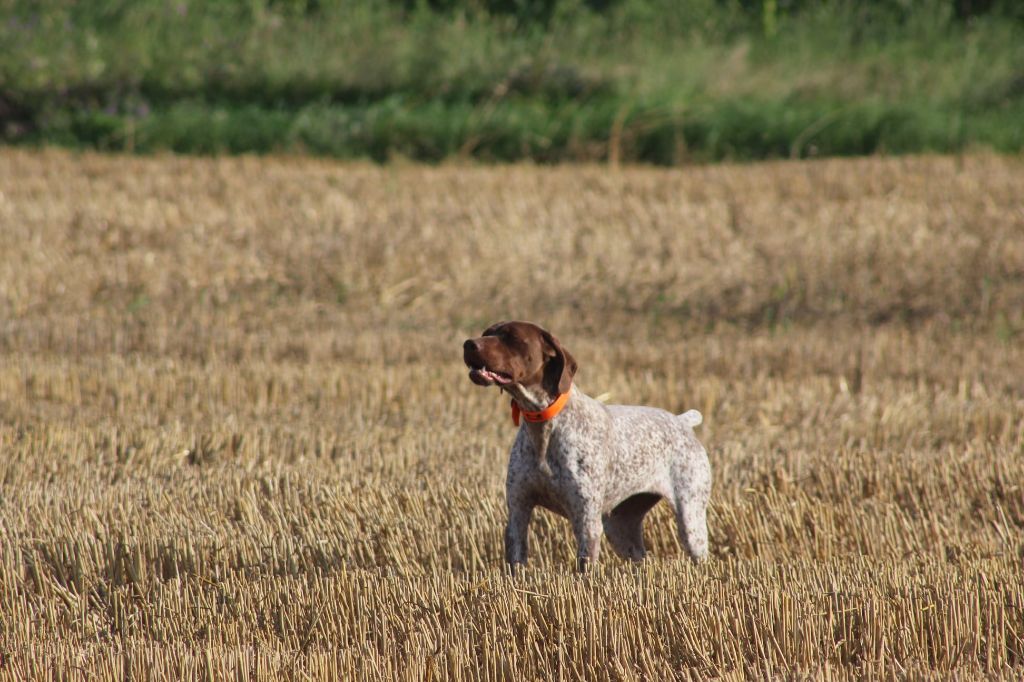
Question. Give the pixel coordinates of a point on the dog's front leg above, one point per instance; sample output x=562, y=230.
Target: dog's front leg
x=586, y=526
x=519, y=514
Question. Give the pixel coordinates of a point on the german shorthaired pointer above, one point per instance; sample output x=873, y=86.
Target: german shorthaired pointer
x=601, y=466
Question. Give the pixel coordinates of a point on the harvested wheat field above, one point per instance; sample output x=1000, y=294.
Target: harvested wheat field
x=239, y=442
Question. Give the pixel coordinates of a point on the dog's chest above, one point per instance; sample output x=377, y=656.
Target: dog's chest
x=563, y=468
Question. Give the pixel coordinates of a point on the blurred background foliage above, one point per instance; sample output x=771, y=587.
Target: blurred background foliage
x=658, y=81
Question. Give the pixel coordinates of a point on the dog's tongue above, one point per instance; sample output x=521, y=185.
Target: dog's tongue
x=485, y=376
x=498, y=378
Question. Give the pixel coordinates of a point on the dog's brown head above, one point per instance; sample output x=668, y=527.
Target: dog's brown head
x=519, y=354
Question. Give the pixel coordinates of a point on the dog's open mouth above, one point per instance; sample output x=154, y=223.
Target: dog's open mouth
x=481, y=376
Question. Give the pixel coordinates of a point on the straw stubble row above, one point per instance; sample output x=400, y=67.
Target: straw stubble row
x=238, y=441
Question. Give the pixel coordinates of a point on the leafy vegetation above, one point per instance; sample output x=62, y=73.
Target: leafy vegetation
x=660, y=81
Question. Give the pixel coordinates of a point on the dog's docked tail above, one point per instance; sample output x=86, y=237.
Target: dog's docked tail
x=691, y=418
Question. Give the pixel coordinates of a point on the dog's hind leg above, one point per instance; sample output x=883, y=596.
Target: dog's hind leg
x=691, y=519
x=690, y=507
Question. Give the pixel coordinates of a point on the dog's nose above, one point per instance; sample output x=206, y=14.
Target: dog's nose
x=470, y=345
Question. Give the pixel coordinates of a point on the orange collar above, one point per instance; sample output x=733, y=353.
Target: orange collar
x=547, y=414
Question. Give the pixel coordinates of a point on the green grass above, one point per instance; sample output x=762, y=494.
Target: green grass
x=647, y=80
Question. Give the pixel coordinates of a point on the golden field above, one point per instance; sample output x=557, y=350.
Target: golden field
x=238, y=441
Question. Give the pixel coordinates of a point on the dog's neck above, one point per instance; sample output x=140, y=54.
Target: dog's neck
x=530, y=398
x=537, y=399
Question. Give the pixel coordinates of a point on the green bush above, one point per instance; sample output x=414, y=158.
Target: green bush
x=660, y=81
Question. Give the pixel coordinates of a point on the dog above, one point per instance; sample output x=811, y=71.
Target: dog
x=603, y=467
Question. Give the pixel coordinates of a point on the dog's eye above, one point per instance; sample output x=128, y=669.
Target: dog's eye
x=506, y=336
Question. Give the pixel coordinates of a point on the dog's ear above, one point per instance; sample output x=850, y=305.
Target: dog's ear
x=560, y=367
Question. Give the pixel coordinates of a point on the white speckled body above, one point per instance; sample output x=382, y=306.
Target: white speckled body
x=603, y=467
